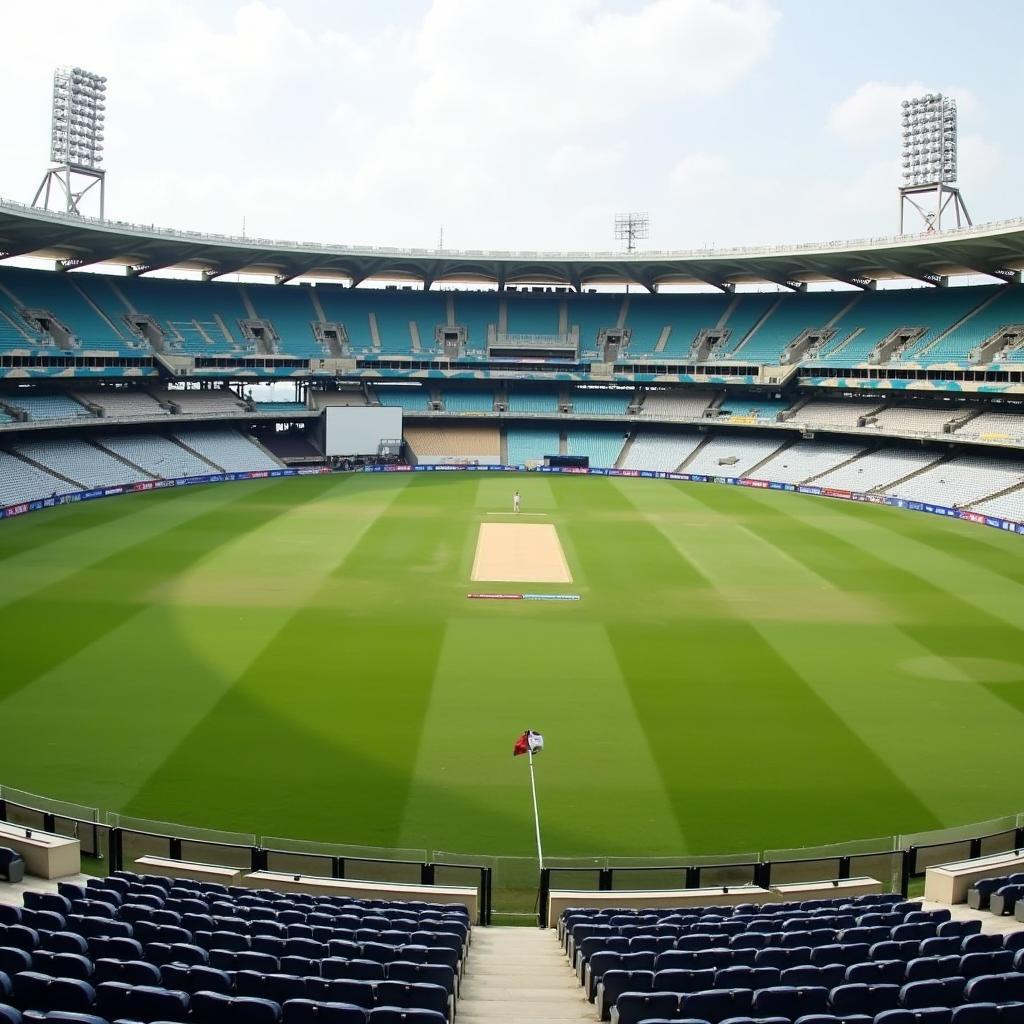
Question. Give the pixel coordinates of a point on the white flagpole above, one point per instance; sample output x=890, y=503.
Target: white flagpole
x=536, y=813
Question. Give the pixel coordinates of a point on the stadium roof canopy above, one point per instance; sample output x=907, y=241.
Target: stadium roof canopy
x=996, y=250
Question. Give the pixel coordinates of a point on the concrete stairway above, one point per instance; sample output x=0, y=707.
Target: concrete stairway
x=520, y=974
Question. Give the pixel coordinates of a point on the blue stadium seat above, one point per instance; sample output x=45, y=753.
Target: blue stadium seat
x=197, y=978
x=865, y=999
x=394, y=1015
x=927, y=968
x=983, y=942
x=34, y=991
x=995, y=988
x=63, y=965
x=939, y=992
x=791, y=1002
x=215, y=1008
x=633, y=1007
x=132, y=972
x=975, y=1013
x=717, y=1004
x=928, y=1015
x=615, y=982
x=307, y=1011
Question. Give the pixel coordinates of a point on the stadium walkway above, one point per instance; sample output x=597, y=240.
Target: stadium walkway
x=520, y=974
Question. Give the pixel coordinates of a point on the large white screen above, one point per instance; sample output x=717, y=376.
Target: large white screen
x=358, y=430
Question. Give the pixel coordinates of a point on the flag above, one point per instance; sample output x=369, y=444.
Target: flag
x=530, y=742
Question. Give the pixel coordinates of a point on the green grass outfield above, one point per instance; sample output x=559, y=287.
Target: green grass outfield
x=298, y=658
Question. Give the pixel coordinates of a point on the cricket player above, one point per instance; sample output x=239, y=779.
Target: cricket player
x=515, y=502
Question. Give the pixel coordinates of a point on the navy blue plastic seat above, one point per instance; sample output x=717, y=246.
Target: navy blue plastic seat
x=161, y=953
x=31, y=990
x=753, y=978
x=783, y=958
x=64, y=942
x=62, y=965
x=927, y=968
x=383, y=954
x=926, y=1015
x=840, y=953
x=864, y=936
x=865, y=999
x=981, y=943
x=717, y=1004
x=250, y=961
x=975, y=1013
x=216, y=1008
x=19, y=936
x=939, y=992
x=341, y=990
x=431, y=974
x=790, y=1001
x=825, y=976
x=906, y=950
x=918, y=931
x=308, y=1011
x=197, y=978
x=684, y=981
x=115, y=999
x=995, y=988
x=47, y=901
x=1004, y=900
x=974, y=965
x=615, y=982
x=412, y=996
x=1014, y=941
x=300, y=965
x=633, y=1007
x=132, y=972
x=394, y=1015
x=12, y=960
x=958, y=928
x=355, y=970
x=9, y=1015
x=114, y=948
x=876, y=972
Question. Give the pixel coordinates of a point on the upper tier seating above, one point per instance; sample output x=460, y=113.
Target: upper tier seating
x=228, y=450
x=415, y=399
x=350, y=396
x=447, y=442
x=676, y=405
x=743, y=318
x=47, y=407
x=828, y=412
x=156, y=455
x=206, y=402
x=663, y=453
x=685, y=315
x=995, y=426
x=593, y=313
x=281, y=407
x=1005, y=308
x=398, y=310
x=601, y=401
x=528, y=444
x=124, y=403
x=791, y=317
x=290, y=309
x=731, y=456
x=527, y=399
x=916, y=418
x=468, y=401
x=602, y=447
x=744, y=409
x=533, y=314
x=20, y=482
x=805, y=459
x=876, y=470
x=80, y=461
x=149, y=948
x=961, y=481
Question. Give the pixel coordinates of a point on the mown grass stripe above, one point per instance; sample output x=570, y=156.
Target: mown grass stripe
x=795, y=747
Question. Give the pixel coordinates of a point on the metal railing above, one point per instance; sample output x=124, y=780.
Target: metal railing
x=521, y=887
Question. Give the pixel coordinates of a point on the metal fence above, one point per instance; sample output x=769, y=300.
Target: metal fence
x=509, y=887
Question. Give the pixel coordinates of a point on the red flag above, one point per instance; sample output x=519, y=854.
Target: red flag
x=529, y=743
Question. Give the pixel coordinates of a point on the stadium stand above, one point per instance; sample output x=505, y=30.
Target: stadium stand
x=593, y=314
x=915, y=419
x=468, y=401
x=47, y=407
x=731, y=455
x=789, y=318
x=281, y=407
x=829, y=413
x=415, y=399
x=292, y=313
x=533, y=314
x=454, y=442
x=994, y=426
x=123, y=403
x=676, y=405
x=807, y=459
x=962, y=481
x=530, y=444
x=149, y=948
x=228, y=450
x=348, y=396
x=877, y=470
x=207, y=402
x=601, y=447
x=748, y=410
x=683, y=316
x=80, y=462
x=526, y=399
x=866, y=959
x=20, y=481
x=159, y=456
x=601, y=402
x=662, y=453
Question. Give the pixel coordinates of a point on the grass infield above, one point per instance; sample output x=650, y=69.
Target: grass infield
x=745, y=670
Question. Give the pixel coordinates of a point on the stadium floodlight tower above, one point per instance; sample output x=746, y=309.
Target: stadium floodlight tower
x=76, y=140
x=929, y=161
x=631, y=226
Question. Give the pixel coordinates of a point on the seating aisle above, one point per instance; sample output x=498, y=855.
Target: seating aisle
x=517, y=975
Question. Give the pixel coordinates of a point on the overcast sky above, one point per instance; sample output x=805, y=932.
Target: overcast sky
x=517, y=124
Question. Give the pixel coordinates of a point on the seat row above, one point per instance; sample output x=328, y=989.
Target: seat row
x=1002, y=895
x=798, y=1002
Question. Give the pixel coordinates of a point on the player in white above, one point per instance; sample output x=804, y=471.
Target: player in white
x=515, y=502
